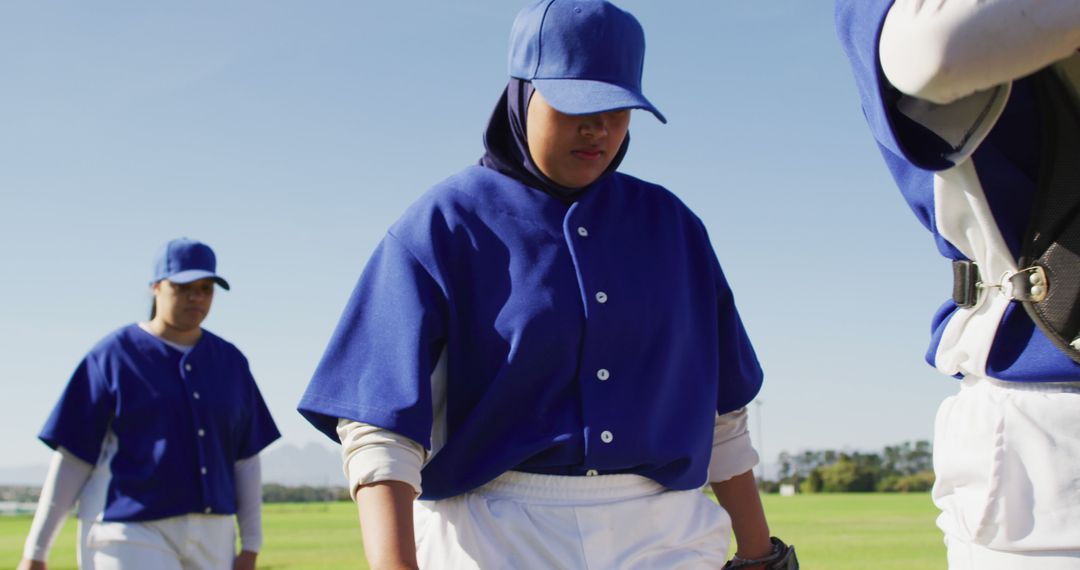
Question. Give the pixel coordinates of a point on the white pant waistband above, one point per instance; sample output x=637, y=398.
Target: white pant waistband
x=1044, y=387
x=559, y=489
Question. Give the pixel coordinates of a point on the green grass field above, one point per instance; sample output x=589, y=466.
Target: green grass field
x=831, y=532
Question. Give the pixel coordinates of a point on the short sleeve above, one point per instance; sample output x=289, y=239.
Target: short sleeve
x=81, y=418
x=260, y=430
x=926, y=135
x=740, y=373
x=377, y=367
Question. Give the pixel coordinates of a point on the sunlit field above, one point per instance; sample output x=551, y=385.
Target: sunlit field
x=830, y=532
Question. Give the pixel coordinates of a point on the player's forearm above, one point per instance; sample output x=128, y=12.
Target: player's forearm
x=248, y=473
x=739, y=496
x=386, y=522
x=64, y=482
x=944, y=50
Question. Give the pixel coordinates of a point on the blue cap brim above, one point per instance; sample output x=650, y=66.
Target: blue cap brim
x=192, y=275
x=586, y=97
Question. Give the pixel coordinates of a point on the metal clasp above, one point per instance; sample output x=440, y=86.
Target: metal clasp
x=1028, y=284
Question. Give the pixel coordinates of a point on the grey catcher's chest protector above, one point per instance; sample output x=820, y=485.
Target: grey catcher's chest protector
x=1048, y=281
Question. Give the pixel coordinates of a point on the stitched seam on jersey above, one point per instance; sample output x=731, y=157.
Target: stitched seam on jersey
x=335, y=406
x=480, y=205
x=979, y=120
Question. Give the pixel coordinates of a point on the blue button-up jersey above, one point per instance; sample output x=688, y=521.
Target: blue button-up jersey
x=181, y=422
x=599, y=335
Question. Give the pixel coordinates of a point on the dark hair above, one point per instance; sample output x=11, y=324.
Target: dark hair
x=153, y=303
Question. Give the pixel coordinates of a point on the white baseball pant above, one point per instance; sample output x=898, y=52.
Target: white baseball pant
x=522, y=521
x=1007, y=459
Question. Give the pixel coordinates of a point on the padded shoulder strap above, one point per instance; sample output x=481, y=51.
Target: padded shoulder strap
x=1052, y=241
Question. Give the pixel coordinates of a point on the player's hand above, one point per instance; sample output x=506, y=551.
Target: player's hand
x=27, y=564
x=245, y=561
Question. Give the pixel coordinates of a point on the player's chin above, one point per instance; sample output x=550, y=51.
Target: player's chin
x=191, y=320
x=583, y=177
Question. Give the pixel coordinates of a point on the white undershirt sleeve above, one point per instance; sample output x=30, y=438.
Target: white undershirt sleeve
x=249, y=502
x=64, y=482
x=732, y=452
x=370, y=454
x=944, y=50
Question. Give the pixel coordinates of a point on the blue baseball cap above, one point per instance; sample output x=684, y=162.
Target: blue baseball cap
x=185, y=260
x=584, y=56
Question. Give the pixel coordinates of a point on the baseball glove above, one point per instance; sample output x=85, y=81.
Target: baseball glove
x=782, y=558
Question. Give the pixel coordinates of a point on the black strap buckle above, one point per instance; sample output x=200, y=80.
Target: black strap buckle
x=965, y=289
x=1029, y=284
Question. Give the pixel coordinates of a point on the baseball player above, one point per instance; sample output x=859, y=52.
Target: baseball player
x=974, y=108
x=545, y=350
x=157, y=437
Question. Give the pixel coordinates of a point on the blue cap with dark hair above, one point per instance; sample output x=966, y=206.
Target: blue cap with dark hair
x=184, y=260
x=583, y=56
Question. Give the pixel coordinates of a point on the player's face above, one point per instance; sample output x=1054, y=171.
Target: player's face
x=573, y=150
x=183, y=306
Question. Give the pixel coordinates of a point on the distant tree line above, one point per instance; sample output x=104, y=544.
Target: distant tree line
x=19, y=493
x=274, y=493
x=903, y=468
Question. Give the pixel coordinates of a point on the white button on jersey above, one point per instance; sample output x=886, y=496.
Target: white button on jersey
x=203, y=470
x=601, y=297
x=592, y=473
x=581, y=231
x=603, y=374
x=187, y=366
x=207, y=511
x=195, y=395
x=606, y=436
x=202, y=433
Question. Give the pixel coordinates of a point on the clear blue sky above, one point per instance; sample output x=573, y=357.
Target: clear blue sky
x=289, y=135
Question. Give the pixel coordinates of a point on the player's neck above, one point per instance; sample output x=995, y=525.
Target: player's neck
x=164, y=330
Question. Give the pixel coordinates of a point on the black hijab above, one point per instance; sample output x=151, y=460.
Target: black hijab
x=507, y=147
